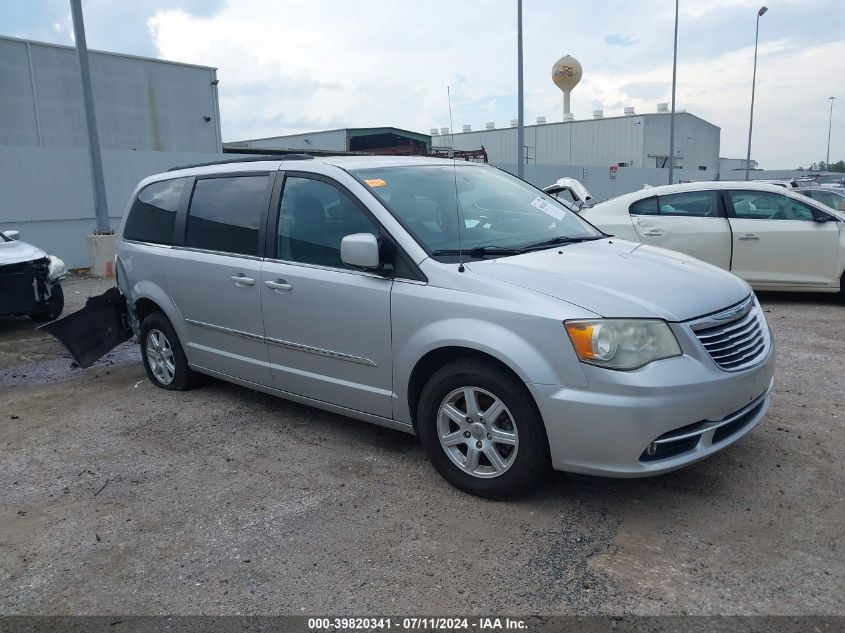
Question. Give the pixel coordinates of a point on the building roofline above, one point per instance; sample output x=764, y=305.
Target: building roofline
x=339, y=129
x=112, y=53
x=590, y=120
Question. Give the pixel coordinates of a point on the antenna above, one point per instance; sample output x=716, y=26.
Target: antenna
x=455, y=175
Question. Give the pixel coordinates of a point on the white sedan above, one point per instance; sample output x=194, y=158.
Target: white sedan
x=771, y=237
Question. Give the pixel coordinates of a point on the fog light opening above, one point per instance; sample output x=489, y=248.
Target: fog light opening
x=651, y=450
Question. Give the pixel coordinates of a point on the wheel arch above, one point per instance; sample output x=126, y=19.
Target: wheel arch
x=439, y=357
x=148, y=297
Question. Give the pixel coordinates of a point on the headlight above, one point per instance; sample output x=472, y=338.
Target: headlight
x=622, y=343
x=57, y=269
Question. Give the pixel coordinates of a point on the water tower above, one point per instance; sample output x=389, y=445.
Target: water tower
x=566, y=73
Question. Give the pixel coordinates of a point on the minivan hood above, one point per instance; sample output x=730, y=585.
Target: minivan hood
x=617, y=278
x=15, y=252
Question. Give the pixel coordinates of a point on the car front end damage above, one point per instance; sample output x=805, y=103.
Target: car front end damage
x=29, y=287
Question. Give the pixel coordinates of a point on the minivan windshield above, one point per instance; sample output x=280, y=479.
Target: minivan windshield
x=499, y=214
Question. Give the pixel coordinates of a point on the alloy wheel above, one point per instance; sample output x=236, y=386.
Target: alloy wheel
x=160, y=357
x=477, y=432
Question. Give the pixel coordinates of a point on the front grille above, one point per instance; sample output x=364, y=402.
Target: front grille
x=738, y=342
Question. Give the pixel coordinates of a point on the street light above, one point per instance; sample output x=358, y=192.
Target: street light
x=520, y=133
x=760, y=13
x=829, y=127
x=674, y=83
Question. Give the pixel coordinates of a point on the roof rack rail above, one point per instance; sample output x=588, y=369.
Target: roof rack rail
x=247, y=159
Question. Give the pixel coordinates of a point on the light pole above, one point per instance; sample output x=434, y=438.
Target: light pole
x=760, y=13
x=520, y=133
x=829, y=128
x=674, y=81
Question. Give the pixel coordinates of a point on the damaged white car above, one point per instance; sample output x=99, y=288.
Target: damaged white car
x=30, y=280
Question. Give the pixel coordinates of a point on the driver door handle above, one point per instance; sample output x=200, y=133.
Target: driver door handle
x=279, y=285
x=242, y=280
x=748, y=238
x=653, y=232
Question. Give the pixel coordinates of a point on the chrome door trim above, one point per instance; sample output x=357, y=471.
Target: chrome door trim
x=141, y=243
x=360, y=360
x=334, y=269
x=225, y=330
x=192, y=249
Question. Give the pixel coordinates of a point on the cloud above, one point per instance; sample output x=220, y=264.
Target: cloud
x=303, y=65
x=617, y=39
x=647, y=90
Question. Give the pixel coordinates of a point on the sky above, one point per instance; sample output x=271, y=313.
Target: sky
x=289, y=66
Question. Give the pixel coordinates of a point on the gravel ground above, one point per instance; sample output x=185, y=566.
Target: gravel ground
x=118, y=497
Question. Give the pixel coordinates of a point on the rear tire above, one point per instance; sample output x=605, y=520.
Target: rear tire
x=55, y=305
x=164, y=359
x=502, y=456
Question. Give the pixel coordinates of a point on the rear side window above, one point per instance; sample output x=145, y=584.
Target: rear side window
x=692, y=204
x=644, y=207
x=153, y=214
x=225, y=213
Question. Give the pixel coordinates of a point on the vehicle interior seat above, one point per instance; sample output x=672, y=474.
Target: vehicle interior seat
x=310, y=237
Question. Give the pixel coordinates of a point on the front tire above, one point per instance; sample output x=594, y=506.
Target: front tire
x=164, y=359
x=482, y=431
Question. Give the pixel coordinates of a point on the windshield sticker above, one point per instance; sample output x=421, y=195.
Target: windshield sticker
x=376, y=182
x=548, y=208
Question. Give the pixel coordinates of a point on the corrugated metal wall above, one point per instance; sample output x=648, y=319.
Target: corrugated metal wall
x=329, y=140
x=636, y=140
x=47, y=192
x=141, y=104
x=597, y=179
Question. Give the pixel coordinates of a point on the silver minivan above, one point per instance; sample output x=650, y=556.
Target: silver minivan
x=449, y=300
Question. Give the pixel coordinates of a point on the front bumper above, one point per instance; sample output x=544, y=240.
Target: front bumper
x=688, y=404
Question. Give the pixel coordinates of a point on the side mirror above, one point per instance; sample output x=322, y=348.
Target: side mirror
x=821, y=217
x=360, y=251
x=12, y=235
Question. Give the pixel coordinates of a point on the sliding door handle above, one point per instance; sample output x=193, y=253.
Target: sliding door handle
x=749, y=238
x=280, y=285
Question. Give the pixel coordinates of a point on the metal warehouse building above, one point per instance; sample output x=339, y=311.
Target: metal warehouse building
x=633, y=140
x=374, y=140
x=141, y=103
x=151, y=115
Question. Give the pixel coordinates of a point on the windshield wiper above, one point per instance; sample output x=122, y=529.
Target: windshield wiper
x=556, y=241
x=480, y=251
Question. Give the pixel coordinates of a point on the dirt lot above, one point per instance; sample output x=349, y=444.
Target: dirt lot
x=118, y=497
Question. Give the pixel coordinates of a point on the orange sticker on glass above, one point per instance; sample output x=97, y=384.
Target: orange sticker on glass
x=376, y=182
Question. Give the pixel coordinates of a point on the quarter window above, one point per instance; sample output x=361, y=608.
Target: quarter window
x=763, y=205
x=153, y=214
x=691, y=204
x=225, y=214
x=644, y=207
x=314, y=216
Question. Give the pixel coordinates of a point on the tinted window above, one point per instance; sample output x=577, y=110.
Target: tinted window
x=314, y=217
x=829, y=198
x=698, y=204
x=644, y=207
x=153, y=214
x=225, y=213
x=762, y=205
